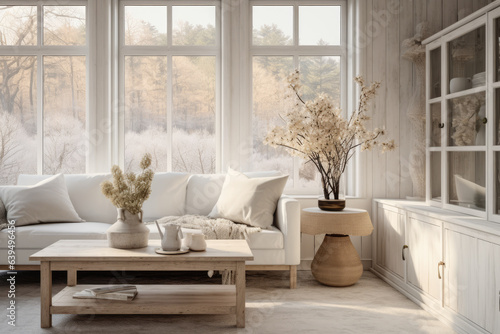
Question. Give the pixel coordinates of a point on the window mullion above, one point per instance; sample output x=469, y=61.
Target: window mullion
x=170, y=106
x=170, y=99
x=39, y=93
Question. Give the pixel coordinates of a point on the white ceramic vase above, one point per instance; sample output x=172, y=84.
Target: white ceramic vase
x=128, y=232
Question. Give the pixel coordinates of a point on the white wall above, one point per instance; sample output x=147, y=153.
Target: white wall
x=384, y=26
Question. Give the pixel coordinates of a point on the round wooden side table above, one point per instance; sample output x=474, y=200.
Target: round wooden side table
x=336, y=263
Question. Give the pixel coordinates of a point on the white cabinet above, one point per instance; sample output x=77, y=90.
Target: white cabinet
x=450, y=263
x=463, y=115
x=408, y=249
x=424, y=255
x=390, y=240
x=472, y=279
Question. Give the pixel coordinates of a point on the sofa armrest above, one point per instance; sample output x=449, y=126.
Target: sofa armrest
x=287, y=220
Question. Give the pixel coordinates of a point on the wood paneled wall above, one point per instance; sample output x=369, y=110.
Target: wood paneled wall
x=389, y=22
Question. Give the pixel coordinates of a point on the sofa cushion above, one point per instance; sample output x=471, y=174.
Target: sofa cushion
x=168, y=196
x=46, y=201
x=250, y=201
x=203, y=190
x=85, y=193
x=42, y=235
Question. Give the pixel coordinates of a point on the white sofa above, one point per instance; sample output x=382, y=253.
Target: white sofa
x=176, y=194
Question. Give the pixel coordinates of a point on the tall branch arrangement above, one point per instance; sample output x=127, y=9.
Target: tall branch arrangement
x=318, y=132
x=129, y=191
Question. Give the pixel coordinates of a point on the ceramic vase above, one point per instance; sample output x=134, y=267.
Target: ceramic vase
x=128, y=232
x=333, y=204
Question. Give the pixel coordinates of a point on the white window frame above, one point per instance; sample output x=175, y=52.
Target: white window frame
x=105, y=53
x=169, y=50
x=295, y=51
x=40, y=50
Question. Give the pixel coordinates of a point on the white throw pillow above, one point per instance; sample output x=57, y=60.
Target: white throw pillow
x=250, y=201
x=85, y=193
x=203, y=190
x=44, y=202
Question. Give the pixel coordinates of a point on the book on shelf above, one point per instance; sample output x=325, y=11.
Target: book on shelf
x=126, y=295
x=111, y=288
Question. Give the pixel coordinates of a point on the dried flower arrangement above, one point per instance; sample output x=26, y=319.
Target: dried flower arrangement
x=129, y=191
x=318, y=132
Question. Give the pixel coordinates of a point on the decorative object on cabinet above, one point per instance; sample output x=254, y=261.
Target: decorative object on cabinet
x=466, y=120
x=469, y=193
x=459, y=84
x=320, y=133
x=415, y=52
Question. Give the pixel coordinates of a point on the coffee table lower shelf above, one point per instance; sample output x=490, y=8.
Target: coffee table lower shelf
x=152, y=299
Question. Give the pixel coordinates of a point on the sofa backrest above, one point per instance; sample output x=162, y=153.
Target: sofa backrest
x=203, y=190
x=168, y=194
x=172, y=194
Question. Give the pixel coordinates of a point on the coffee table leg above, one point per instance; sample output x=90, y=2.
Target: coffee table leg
x=72, y=277
x=45, y=294
x=240, y=294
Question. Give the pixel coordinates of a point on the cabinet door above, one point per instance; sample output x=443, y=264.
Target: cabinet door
x=472, y=279
x=489, y=286
x=424, y=245
x=390, y=240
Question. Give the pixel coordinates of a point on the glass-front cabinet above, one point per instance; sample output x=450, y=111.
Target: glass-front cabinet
x=463, y=116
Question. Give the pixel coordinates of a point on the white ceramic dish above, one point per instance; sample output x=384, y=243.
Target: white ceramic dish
x=162, y=252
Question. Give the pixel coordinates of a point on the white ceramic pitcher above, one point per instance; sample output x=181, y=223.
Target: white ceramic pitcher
x=171, y=239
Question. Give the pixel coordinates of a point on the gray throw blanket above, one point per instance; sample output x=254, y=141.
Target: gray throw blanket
x=219, y=228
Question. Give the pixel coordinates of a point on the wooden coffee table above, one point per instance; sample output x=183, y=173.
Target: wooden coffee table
x=95, y=255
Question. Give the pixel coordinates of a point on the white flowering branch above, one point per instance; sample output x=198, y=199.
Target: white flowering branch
x=318, y=132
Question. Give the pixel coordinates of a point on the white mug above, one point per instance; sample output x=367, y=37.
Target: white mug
x=186, y=241
x=198, y=242
x=459, y=84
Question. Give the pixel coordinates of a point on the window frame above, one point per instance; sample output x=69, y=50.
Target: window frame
x=39, y=51
x=105, y=54
x=168, y=51
x=296, y=51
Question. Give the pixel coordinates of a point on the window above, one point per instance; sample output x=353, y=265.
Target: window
x=287, y=35
x=170, y=55
x=43, y=88
x=69, y=105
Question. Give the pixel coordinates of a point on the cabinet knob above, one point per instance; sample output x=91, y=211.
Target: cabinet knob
x=441, y=125
x=485, y=120
x=441, y=263
x=403, y=252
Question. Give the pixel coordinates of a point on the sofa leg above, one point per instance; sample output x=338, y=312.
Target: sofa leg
x=293, y=277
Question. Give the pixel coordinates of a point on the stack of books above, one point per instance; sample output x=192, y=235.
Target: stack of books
x=116, y=292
